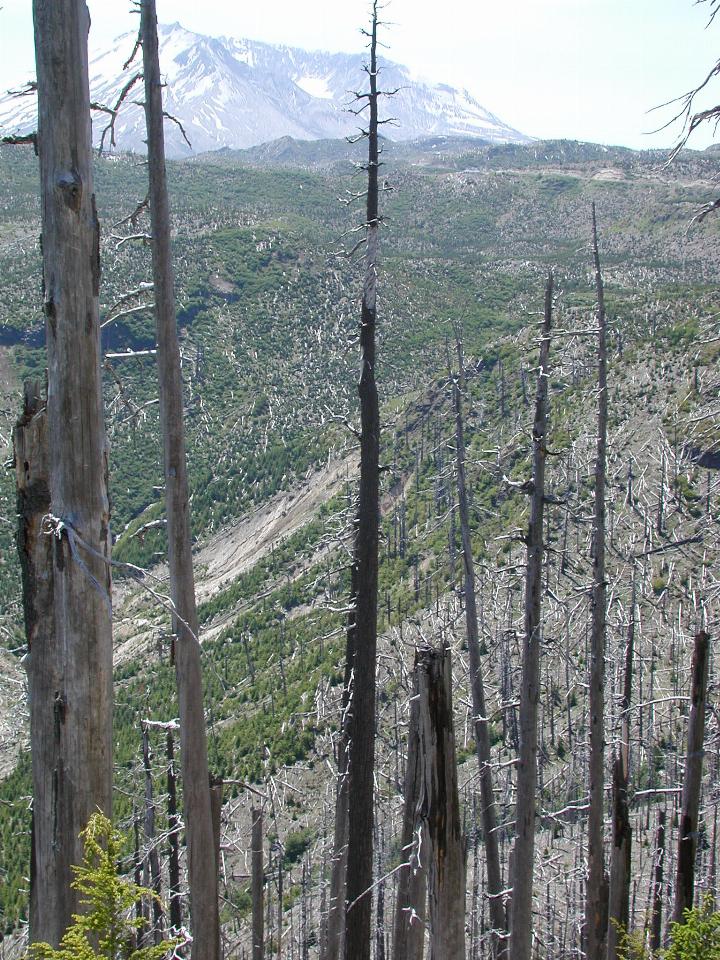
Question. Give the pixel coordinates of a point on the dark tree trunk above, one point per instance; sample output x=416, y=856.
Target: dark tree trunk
x=258, y=931
x=202, y=864
x=152, y=860
x=441, y=807
x=687, y=841
x=72, y=732
x=597, y=884
x=36, y=565
x=521, y=923
x=334, y=939
x=657, y=892
x=620, y=865
x=409, y=924
x=619, y=897
x=481, y=725
x=362, y=629
x=175, y=904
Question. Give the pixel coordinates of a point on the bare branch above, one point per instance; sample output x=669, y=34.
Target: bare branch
x=169, y=116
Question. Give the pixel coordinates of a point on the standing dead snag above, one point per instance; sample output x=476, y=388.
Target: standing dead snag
x=620, y=864
x=482, y=734
x=596, y=893
x=521, y=923
x=36, y=563
x=72, y=703
x=257, y=882
x=440, y=807
x=688, y=838
x=655, y=940
x=362, y=625
x=202, y=865
x=409, y=923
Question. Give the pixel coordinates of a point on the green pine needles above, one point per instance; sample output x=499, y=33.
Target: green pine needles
x=108, y=900
x=698, y=937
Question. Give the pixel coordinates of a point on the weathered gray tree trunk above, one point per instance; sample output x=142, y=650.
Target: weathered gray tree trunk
x=257, y=883
x=440, y=806
x=72, y=702
x=521, y=908
x=657, y=892
x=333, y=942
x=597, y=892
x=175, y=904
x=202, y=865
x=620, y=864
x=151, y=870
x=409, y=922
x=362, y=627
x=36, y=564
x=692, y=782
x=481, y=725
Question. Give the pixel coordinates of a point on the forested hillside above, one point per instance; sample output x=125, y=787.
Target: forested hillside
x=268, y=311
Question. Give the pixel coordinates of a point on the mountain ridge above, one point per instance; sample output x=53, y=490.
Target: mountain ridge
x=237, y=93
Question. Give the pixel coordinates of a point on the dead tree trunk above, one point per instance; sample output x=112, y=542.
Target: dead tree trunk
x=36, y=563
x=657, y=893
x=152, y=860
x=481, y=725
x=619, y=896
x=202, y=865
x=175, y=904
x=73, y=733
x=521, y=922
x=362, y=630
x=334, y=940
x=409, y=923
x=258, y=930
x=620, y=864
x=596, y=892
x=441, y=807
x=687, y=841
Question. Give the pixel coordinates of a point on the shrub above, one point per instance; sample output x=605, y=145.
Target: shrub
x=698, y=938
x=108, y=900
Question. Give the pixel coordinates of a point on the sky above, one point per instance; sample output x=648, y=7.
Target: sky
x=582, y=69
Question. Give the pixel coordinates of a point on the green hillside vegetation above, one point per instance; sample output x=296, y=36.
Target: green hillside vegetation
x=268, y=315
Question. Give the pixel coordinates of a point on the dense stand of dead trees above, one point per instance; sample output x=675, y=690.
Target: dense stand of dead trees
x=69, y=572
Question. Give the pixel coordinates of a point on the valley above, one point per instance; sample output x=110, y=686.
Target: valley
x=268, y=311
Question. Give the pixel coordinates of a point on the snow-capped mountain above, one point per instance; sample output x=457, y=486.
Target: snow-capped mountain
x=239, y=93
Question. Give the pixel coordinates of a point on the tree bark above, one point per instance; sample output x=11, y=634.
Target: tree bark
x=441, y=807
x=619, y=896
x=73, y=728
x=362, y=629
x=43, y=663
x=620, y=864
x=657, y=893
x=480, y=720
x=175, y=904
x=692, y=782
x=258, y=930
x=409, y=923
x=521, y=915
x=202, y=865
x=596, y=893
x=334, y=940
x=152, y=860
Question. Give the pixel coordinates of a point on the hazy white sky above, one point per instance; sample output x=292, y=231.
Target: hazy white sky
x=583, y=69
